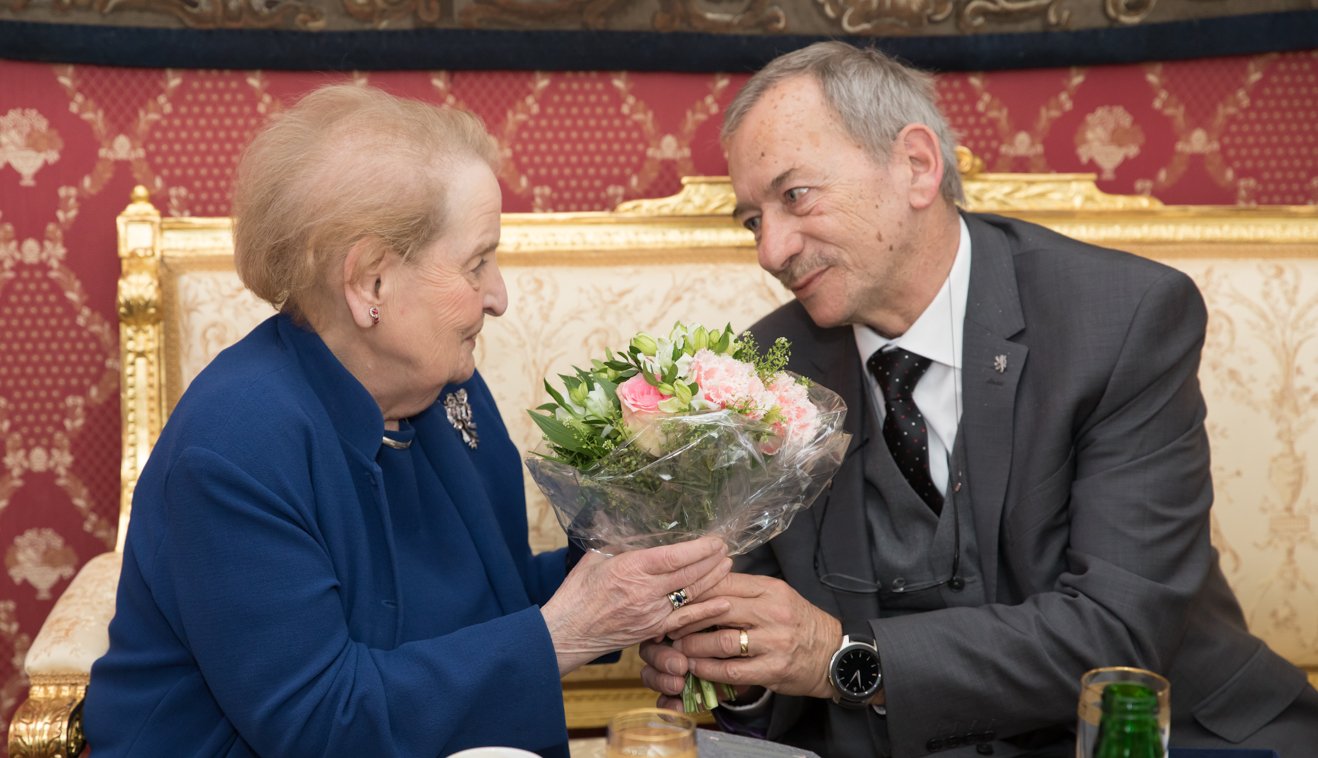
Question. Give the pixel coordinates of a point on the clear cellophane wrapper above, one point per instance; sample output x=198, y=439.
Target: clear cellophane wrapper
x=715, y=473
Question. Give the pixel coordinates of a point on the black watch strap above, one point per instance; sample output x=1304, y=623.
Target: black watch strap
x=858, y=628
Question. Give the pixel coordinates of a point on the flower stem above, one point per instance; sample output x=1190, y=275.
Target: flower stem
x=700, y=695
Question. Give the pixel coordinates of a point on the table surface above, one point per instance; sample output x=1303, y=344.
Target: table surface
x=593, y=747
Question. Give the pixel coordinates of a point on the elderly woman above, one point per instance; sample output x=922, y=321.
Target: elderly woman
x=328, y=551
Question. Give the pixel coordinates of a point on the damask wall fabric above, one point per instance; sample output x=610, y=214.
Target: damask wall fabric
x=75, y=139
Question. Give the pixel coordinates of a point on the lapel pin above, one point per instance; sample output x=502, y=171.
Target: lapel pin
x=1000, y=363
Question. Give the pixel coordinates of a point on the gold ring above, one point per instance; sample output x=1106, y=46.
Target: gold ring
x=678, y=598
x=745, y=639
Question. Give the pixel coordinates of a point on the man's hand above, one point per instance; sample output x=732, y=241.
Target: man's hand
x=789, y=642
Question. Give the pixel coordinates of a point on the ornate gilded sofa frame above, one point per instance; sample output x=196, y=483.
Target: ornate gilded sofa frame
x=650, y=262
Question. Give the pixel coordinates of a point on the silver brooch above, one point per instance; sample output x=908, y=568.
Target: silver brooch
x=1000, y=363
x=459, y=415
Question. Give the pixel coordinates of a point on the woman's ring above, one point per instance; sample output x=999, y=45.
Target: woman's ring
x=678, y=598
x=745, y=639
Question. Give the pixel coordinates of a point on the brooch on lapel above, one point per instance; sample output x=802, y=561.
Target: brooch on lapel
x=459, y=415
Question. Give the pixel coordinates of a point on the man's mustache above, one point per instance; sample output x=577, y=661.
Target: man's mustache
x=799, y=267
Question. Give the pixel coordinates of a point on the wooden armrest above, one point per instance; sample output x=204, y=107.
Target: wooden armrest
x=74, y=635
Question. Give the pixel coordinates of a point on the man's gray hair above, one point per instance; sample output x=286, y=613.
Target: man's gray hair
x=873, y=95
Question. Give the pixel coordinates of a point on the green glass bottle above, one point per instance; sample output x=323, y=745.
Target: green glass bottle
x=1129, y=727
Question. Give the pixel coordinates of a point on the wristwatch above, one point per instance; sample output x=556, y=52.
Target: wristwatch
x=855, y=672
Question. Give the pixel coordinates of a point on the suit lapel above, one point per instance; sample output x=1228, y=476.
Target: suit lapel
x=991, y=369
x=846, y=531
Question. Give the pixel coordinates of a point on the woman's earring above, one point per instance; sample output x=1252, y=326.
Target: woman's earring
x=374, y=313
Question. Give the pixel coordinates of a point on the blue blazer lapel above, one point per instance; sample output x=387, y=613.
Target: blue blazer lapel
x=452, y=464
x=990, y=372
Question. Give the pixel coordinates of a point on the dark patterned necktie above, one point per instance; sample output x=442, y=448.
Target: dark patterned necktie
x=904, y=429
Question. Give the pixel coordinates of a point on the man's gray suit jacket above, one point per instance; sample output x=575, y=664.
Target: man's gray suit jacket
x=1088, y=468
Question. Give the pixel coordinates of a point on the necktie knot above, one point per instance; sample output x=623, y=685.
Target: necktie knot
x=897, y=371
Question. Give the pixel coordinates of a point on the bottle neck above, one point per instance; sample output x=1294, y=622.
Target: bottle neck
x=1129, y=728
x=1129, y=700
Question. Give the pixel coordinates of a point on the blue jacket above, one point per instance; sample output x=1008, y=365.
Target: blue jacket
x=258, y=611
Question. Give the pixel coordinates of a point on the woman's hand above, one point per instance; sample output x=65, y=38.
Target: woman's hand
x=607, y=604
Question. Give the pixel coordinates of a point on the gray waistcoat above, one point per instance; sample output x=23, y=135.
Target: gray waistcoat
x=913, y=546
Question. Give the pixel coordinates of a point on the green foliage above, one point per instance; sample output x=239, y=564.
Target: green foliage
x=582, y=425
x=766, y=364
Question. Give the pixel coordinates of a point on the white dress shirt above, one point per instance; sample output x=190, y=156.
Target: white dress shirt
x=936, y=335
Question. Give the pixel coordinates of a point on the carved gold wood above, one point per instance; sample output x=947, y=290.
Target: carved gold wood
x=171, y=266
x=141, y=404
x=1015, y=193
x=49, y=723
x=699, y=196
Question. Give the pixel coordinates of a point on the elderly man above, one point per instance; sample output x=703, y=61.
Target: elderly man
x=1028, y=489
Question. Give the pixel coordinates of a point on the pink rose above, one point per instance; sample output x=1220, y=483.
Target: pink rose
x=636, y=394
x=639, y=401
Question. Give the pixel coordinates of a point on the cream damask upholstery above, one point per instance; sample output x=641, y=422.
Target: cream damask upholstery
x=580, y=282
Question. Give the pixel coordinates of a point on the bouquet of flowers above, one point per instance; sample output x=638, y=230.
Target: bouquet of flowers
x=674, y=438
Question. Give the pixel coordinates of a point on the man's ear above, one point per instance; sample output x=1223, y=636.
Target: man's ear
x=924, y=161
x=363, y=268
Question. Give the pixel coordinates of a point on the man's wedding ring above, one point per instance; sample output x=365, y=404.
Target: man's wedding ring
x=678, y=598
x=745, y=639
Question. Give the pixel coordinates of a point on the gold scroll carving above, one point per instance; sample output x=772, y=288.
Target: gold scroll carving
x=49, y=723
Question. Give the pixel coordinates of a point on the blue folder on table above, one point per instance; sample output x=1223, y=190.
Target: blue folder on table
x=1217, y=752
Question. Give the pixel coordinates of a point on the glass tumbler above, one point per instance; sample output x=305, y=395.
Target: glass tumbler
x=651, y=732
x=1090, y=710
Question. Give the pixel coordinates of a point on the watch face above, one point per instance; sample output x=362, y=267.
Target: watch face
x=857, y=672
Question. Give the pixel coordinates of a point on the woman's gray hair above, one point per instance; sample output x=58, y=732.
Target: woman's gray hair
x=347, y=163
x=873, y=95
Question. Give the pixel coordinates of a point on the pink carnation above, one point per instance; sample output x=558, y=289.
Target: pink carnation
x=726, y=382
x=798, y=416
